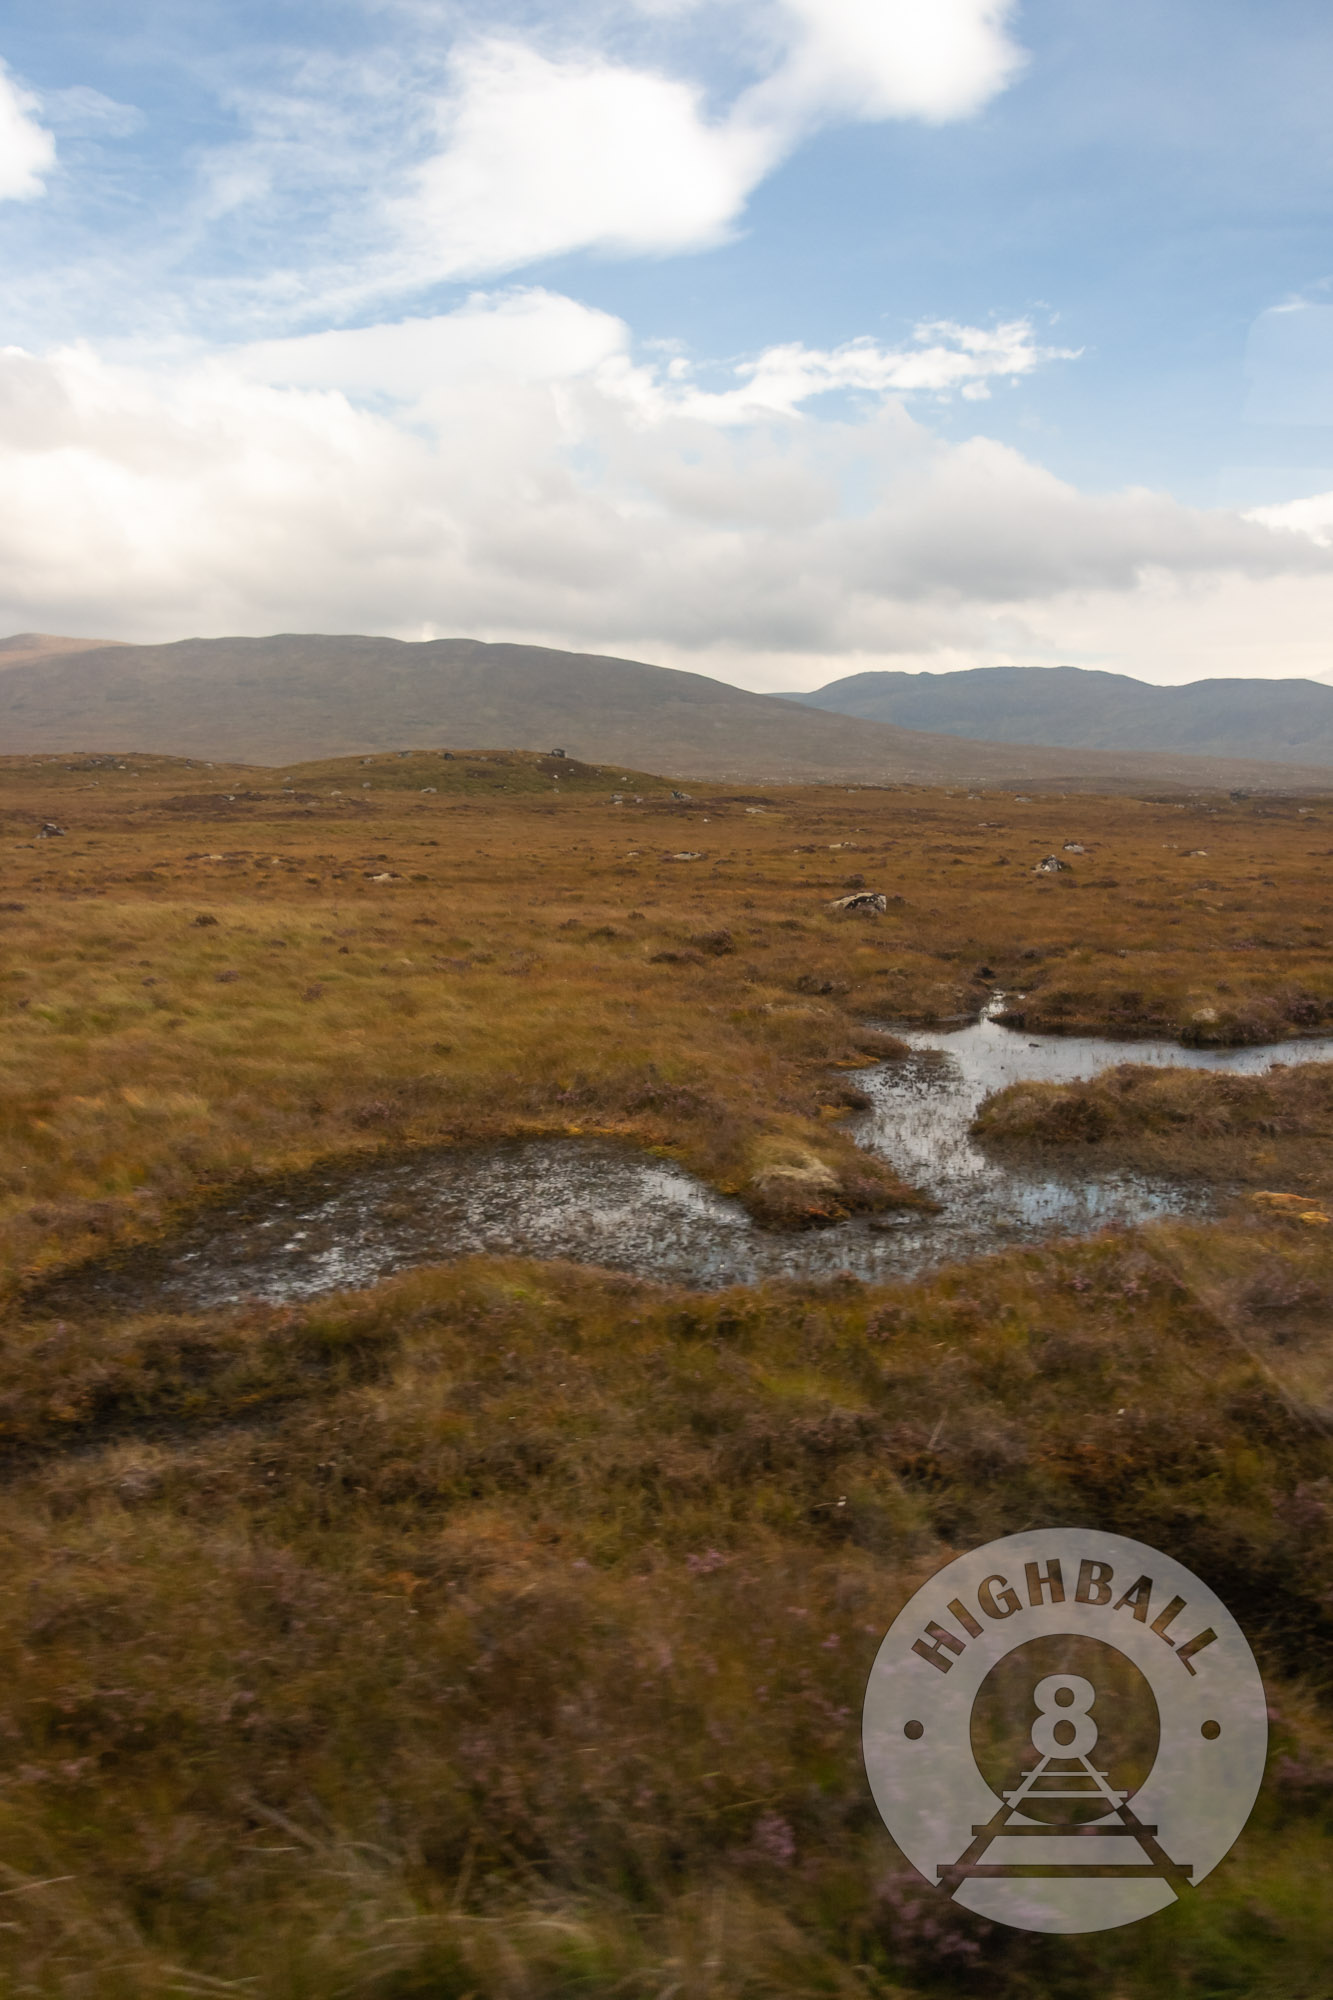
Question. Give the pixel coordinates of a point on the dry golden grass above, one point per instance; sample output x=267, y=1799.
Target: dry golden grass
x=202, y=984
x=503, y=1631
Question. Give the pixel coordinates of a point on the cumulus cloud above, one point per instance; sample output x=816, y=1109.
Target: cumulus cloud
x=27, y=149
x=545, y=154
x=513, y=470
x=869, y=59
x=1312, y=516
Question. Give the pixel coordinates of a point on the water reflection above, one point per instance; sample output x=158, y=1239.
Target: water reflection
x=923, y=1108
x=609, y=1205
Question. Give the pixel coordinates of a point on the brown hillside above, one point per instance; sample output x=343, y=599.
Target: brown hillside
x=301, y=696
x=21, y=649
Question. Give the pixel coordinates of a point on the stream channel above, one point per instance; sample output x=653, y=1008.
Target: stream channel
x=600, y=1203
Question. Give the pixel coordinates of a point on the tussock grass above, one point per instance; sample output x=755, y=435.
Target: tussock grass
x=1180, y=1121
x=504, y=1630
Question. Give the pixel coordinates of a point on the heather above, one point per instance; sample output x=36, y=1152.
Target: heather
x=503, y=1630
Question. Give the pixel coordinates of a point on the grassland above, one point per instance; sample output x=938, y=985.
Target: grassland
x=1181, y=1122
x=503, y=1631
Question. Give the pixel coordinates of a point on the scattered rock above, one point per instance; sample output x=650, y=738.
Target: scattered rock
x=1052, y=865
x=1075, y=847
x=557, y=753
x=50, y=831
x=869, y=901
x=689, y=855
x=683, y=798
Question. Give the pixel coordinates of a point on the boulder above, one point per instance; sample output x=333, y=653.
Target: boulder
x=871, y=901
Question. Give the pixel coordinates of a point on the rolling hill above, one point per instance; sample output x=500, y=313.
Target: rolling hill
x=299, y=696
x=1283, y=721
x=20, y=649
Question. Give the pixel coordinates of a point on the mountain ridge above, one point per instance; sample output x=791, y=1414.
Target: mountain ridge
x=291, y=697
x=1280, y=721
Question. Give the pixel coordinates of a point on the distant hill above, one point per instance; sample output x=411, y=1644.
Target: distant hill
x=300, y=696
x=1286, y=721
x=22, y=648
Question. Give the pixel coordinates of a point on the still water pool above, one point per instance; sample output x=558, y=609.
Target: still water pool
x=604, y=1204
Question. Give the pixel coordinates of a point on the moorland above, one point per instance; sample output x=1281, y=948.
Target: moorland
x=319, y=694
x=503, y=1629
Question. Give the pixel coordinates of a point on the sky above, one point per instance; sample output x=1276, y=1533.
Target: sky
x=776, y=339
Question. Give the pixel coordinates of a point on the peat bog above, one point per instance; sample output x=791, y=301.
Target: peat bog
x=501, y=1628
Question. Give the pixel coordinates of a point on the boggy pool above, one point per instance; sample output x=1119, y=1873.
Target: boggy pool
x=604, y=1204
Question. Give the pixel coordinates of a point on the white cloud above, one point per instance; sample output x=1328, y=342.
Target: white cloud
x=870, y=59
x=509, y=470
x=27, y=149
x=529, y=336
x=462, y=147
x=943, y=358
x=1312, y=516
x=543, y=155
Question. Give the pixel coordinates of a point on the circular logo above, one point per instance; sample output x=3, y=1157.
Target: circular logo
x=1065, y=1730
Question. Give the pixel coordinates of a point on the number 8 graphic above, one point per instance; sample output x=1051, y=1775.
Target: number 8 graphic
x=1063, y=1727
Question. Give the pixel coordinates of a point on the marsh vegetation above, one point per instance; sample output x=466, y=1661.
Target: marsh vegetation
x=502, y=1628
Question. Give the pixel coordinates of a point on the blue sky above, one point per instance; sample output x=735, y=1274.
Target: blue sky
x=782, y=339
